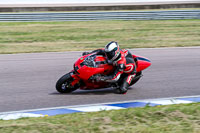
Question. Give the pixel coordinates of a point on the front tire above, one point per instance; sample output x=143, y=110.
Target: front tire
x=63, y=85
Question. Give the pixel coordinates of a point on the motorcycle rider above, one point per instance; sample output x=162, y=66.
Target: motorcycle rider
x=125, y=68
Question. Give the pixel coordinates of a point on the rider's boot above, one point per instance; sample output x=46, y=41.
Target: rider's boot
x=123, y=88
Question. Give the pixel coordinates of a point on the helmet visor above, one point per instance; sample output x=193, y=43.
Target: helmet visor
x=110, y=54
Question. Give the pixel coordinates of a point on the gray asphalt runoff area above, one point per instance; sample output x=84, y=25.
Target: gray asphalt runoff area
x=27, y=81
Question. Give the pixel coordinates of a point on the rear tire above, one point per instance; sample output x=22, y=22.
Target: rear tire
x=136, y=78
x=63, y=85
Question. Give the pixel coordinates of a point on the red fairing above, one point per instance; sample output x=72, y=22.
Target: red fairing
x=141, y=62
x=76, y=79
x=85, y=71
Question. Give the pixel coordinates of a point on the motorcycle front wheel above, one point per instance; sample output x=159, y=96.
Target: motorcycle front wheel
x=63, y=85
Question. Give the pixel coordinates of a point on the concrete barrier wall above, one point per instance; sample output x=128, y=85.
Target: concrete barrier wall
x=26, y=8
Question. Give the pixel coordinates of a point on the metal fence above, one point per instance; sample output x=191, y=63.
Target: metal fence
x=107, y=15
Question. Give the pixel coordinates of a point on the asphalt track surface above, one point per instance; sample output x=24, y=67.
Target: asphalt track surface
x=27, y=81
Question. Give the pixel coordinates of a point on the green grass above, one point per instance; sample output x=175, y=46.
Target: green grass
x=22, y=37
x=182, y=118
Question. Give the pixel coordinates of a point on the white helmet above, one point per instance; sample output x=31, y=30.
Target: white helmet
x=112, y=51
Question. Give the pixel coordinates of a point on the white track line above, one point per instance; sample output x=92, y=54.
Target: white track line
x=98, y=104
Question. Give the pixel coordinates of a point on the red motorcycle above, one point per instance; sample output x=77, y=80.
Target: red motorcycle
x=87, y=68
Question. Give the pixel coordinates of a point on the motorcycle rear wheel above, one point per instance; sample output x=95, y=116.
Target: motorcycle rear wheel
x=136, y=78
x=63, y=85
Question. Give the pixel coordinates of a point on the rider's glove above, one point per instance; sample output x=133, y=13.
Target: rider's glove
x=85, y=53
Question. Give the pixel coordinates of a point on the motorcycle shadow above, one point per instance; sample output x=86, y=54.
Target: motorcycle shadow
x=91, y=92
x=94, y=92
